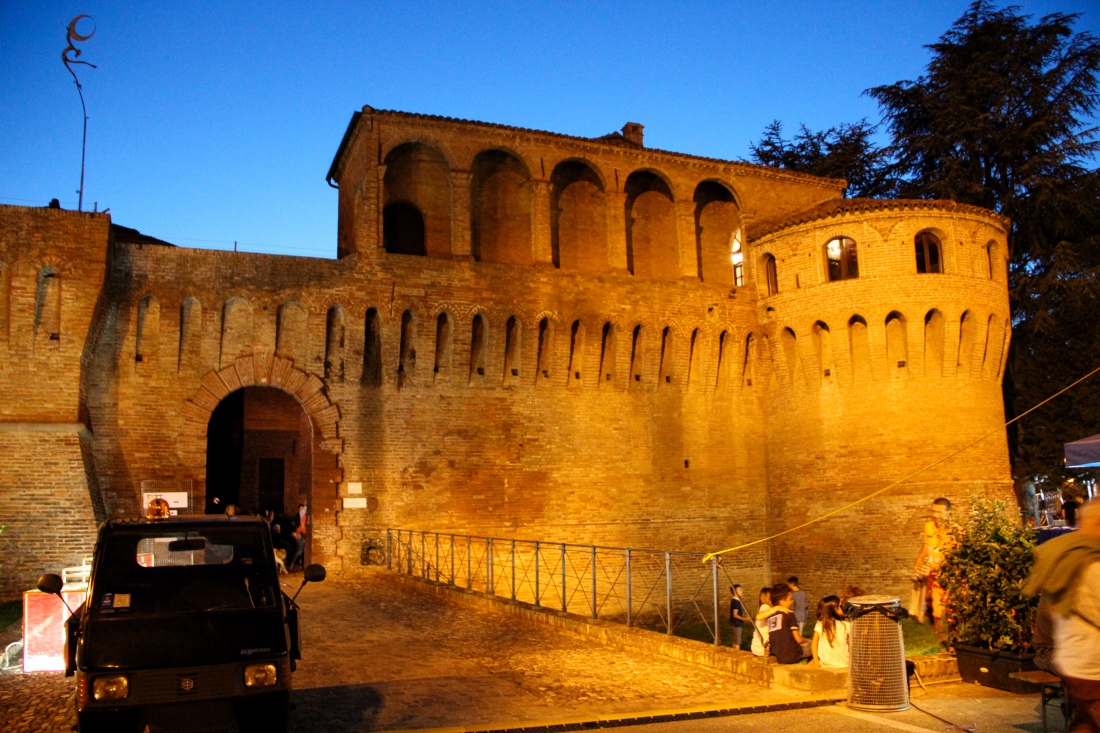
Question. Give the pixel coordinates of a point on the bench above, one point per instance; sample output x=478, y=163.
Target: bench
x=1050, y=686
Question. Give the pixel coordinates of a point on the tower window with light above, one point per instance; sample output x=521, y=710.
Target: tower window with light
x=738, y=258
x=841, y=260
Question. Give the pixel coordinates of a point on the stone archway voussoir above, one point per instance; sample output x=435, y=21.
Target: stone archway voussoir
x=245, y=370
x=230, y=377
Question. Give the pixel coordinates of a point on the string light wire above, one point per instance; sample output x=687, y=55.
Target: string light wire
x=710, y=555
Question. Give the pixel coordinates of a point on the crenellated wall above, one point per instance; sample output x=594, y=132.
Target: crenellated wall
x=545, y=337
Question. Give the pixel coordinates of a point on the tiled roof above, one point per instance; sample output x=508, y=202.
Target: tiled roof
x=839, y=207
x=126, y=235
x=602, y=140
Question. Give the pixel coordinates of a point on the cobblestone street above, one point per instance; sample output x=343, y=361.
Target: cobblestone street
x=377, y=655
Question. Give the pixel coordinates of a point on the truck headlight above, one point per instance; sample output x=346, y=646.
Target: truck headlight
x=260, y=675
x=114, y=687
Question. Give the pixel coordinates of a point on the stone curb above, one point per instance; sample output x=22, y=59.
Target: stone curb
x=626, y=719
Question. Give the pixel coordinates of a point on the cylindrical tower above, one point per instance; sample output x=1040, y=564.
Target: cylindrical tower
x=887, y=326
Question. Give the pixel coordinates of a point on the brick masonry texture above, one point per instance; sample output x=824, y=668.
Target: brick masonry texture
x=569, y=360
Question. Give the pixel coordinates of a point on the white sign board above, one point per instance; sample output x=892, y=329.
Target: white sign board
x=355, y=487
x=355, y=503
x=176, y=499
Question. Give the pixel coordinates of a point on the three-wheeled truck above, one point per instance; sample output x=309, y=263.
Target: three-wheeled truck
x=185, y=627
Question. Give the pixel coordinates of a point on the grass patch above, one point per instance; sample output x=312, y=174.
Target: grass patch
x=919, y=638
x=10, y=612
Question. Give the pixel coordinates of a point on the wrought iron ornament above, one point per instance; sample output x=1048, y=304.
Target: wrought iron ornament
x=69, y=60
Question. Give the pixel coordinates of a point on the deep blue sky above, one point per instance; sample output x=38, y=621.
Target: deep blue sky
x=215, y=122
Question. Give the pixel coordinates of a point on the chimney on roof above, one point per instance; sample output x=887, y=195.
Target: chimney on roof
x=632, y=131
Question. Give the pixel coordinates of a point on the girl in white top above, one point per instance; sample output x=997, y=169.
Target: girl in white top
x=760, y=624
x=830, y=644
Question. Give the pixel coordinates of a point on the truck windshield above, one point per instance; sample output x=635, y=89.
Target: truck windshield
x=158, y=570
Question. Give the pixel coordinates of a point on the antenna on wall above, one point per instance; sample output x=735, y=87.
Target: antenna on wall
x=74, y=36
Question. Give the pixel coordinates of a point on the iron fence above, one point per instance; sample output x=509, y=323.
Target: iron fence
x=674, y=592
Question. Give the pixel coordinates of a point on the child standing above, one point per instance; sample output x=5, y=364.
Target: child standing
x=830, y=643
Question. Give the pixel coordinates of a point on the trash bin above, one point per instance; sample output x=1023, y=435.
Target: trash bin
x=877, y=679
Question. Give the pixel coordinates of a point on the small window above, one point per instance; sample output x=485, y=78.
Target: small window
x=772, y=274
x=738, y=258
x=841, y=259
x=928, y=252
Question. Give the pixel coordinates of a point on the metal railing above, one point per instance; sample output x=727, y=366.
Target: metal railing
x=653, y=589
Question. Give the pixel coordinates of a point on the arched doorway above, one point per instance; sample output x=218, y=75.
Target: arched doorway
x=258, y=453
x=264, y=370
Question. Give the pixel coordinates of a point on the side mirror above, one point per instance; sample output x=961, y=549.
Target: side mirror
x=312, y=574
x=52, y=584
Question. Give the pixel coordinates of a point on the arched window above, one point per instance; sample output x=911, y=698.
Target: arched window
x=576, y=354
x=403, y=229
x=928, y=252
x=772, y=274
x=636, y=362
x=667, y=367
x=511, y=349
x=738, y=258
x=841, y=259
x=334, y=344
x=545, y=346
x=443, y=340
x=607, y=352
x=990, y=258
x=478, y=346
x=148, y=328
x=406, y=359
x=372, y=350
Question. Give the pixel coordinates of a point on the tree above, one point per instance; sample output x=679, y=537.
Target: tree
x=846, y=151
x=999, y=120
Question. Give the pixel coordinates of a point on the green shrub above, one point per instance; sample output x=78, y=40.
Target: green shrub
x=984, y=576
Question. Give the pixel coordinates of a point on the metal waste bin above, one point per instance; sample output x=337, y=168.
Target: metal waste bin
x=877, y=678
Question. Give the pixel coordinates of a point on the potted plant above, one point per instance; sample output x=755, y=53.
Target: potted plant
x=983, y=573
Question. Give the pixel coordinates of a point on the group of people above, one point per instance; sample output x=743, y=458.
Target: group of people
x=288, y=534
x=780, y=621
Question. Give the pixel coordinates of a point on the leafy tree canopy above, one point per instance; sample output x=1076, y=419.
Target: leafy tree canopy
x=1000, y=119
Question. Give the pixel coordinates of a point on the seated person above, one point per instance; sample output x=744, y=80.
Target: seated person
x=830, y=642
x=787, y=643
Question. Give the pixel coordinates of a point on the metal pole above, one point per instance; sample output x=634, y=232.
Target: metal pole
x=452, y=560
x=595, y=605
x=409, y=555
x=423, y=556
x=389, y=549
x=437, y=557
x=564, y=603
x=469, y=563
x=537, y=589
x=717, y=627
x=668, y=591
x=489, y=565
x=629, y=597
x=513, y=570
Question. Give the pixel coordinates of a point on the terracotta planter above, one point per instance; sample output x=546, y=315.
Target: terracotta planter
x=992, y=668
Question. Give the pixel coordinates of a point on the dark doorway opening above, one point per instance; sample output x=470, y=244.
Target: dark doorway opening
x=259, y=453
x=271, y=484
x=224, y=441
x=403, y=229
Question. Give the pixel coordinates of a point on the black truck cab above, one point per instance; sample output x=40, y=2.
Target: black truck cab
x=185, y=628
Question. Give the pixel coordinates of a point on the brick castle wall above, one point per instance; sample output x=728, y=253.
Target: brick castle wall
x=570, y=361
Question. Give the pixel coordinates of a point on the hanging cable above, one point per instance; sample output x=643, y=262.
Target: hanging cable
x=873, y=494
